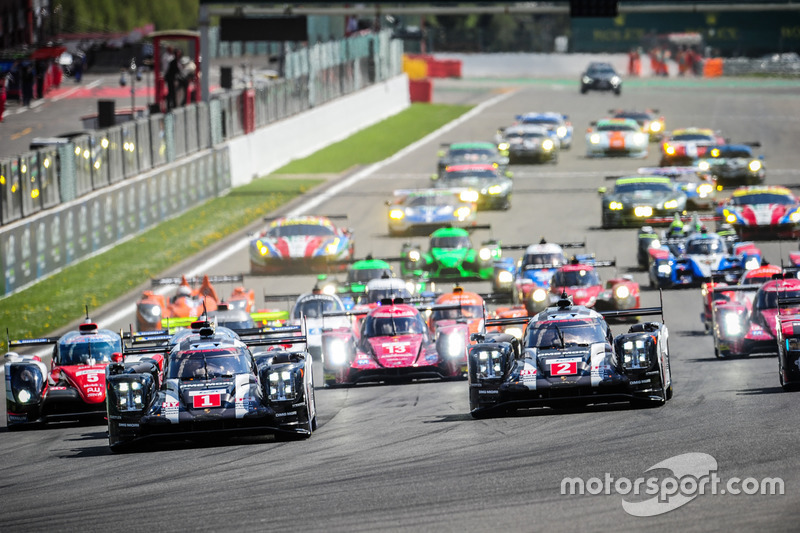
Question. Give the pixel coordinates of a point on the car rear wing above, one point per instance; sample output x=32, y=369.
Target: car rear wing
x=736, y=288
x=685, y=218
x=668, y=171
x=561, y=244
x=193, y=280
x=30, y=342
x=332, y=217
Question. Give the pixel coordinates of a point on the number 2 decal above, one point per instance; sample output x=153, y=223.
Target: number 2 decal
x=564, y=369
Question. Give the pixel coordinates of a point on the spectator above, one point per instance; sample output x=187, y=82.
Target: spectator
x=188, y=69
x=171, y=78
x=2, y=95
x=26, y=84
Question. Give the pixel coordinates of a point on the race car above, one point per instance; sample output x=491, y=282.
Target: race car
x=734, y=164
x=359, y=273
x=423, y=210
x=729, y=313
x=616, y=137
x=766, y=212
x=600, y=76
x=458, y=306
x=648, y=121
x=529, y=143
x=581, y=282
x=567, y=356
x=557, y=123
x=708, y=291
x=636, y=199
x=674, y=237
x=301, y=244
x=393, y=343
x=309, y=311
x=451, y=256
x=788, y=341
x=699, y=187
x=691, y=261
x=494, y=187
x=467, y=153
x=73, y=388
x=213, y=383
x=684, y=147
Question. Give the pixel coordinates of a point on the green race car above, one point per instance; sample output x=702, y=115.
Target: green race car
x=451, y=256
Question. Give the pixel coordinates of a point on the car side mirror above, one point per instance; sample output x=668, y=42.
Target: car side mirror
x=601, y=190
x=117, y=357
x=434, y=177
x=509, y=174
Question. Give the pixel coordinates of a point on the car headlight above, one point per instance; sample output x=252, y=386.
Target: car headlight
x=281, y=386
x=155, y=310
x=594, y=138
x=262, y=249
x=703, y=165
x=669, y=150
x=463, y=212
x=615, y=206
x=561, y=131
x=329, y=289
x=795, y=216
x=586, y=79
x=495, y=189
x=643, y=211
x=469, y=196
x=413, y=255
x=547, y=145
x=622, y=292
x=755, y=165
x=505, y=277
x=615, y=80
x=336, y=353
x=485, y=254
x=454, y=345
x=664, y=269
x=671, y=204
x=396, y=214
x=503, y=146
x=733, y=325
x=539, y=295
x=24, y=396
x=655, y=126
x=705, y=189
x=793, y=344
x=730, y=218
x=331, y=247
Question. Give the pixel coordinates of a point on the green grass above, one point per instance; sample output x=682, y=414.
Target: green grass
x=379, y=141
x=59, y=300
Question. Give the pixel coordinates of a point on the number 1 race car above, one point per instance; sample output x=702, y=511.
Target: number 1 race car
x=75, y=386
x=616, y=137
x=212, y=383
x=568, y=356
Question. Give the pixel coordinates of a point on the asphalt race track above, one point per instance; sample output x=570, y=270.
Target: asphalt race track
x=409, y=456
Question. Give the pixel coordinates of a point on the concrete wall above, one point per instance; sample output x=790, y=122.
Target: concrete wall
x=534, y=65
x=295, y=137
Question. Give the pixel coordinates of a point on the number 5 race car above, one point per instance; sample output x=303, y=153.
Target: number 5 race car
x=567, y=356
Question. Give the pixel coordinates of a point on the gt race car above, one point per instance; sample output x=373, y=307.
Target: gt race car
x=568, y=356
x=600, y=76
x=213, y=382
x=616, y=137
x=301, y=244
x=684, y=147
x=467, y=153
x=393, y=343
x=529, y=143
x=648, y=121
x=699, y=186
x=734, y=164
x=766, y=212
x=73, y=388
x=451, y=256
x=424, y=210
x=636, y=199
x=494, y=187
x=557, y=123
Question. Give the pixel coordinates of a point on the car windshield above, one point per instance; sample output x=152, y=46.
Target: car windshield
x=389, y=293
x=705, y=246
x=465, y=311
x=562, y=333
x=314, y=307
x=232, y=319
x=451, y=243
x=616, y=127
x=769, y=299
x=692, y=137
x=624, y=188
x=638, y=117
x=393, y=326
x=601, y=70
x=457, y=175
x=547, y=121
x=525, y=135
x=764, y=198
x=79, y=353
x=531, y=260
x=299, y=230
x=208, y=364
x=363, y=275
x=472, y=154
x=575, y=278
x=731, y=152
x=431, y=199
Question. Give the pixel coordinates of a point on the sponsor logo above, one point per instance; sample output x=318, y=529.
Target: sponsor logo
x=640, y=381
x=288, y=413
x=488, y=392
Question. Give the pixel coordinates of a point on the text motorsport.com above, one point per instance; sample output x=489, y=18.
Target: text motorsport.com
x=693, y=474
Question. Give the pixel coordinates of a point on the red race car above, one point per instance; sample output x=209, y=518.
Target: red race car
x=582, y=283
x=393, y=343
x=684, y=147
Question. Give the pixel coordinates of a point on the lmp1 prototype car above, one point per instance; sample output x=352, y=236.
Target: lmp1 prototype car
x=693, y=261
x=636, y=199
x=734, y=164
x=685, y=146
x=729, y=314
x=600, y=76
x=494, y=187
x=73, y=388
x=711, y=290
x=568, y=356
x=557, y=123
x=423, y=210
x=581, y=282
x=766, y=212
x=529, y=143
x=451, y=256
x=648, y=121
x=468, y=153
x=212, y=383
x=788, y=341
x=301, y=244
x=616, y=137
x=393, y=343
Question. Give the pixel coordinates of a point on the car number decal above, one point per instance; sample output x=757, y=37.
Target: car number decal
x=200, y=401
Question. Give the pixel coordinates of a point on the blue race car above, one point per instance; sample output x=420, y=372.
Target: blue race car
x=690, y=262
